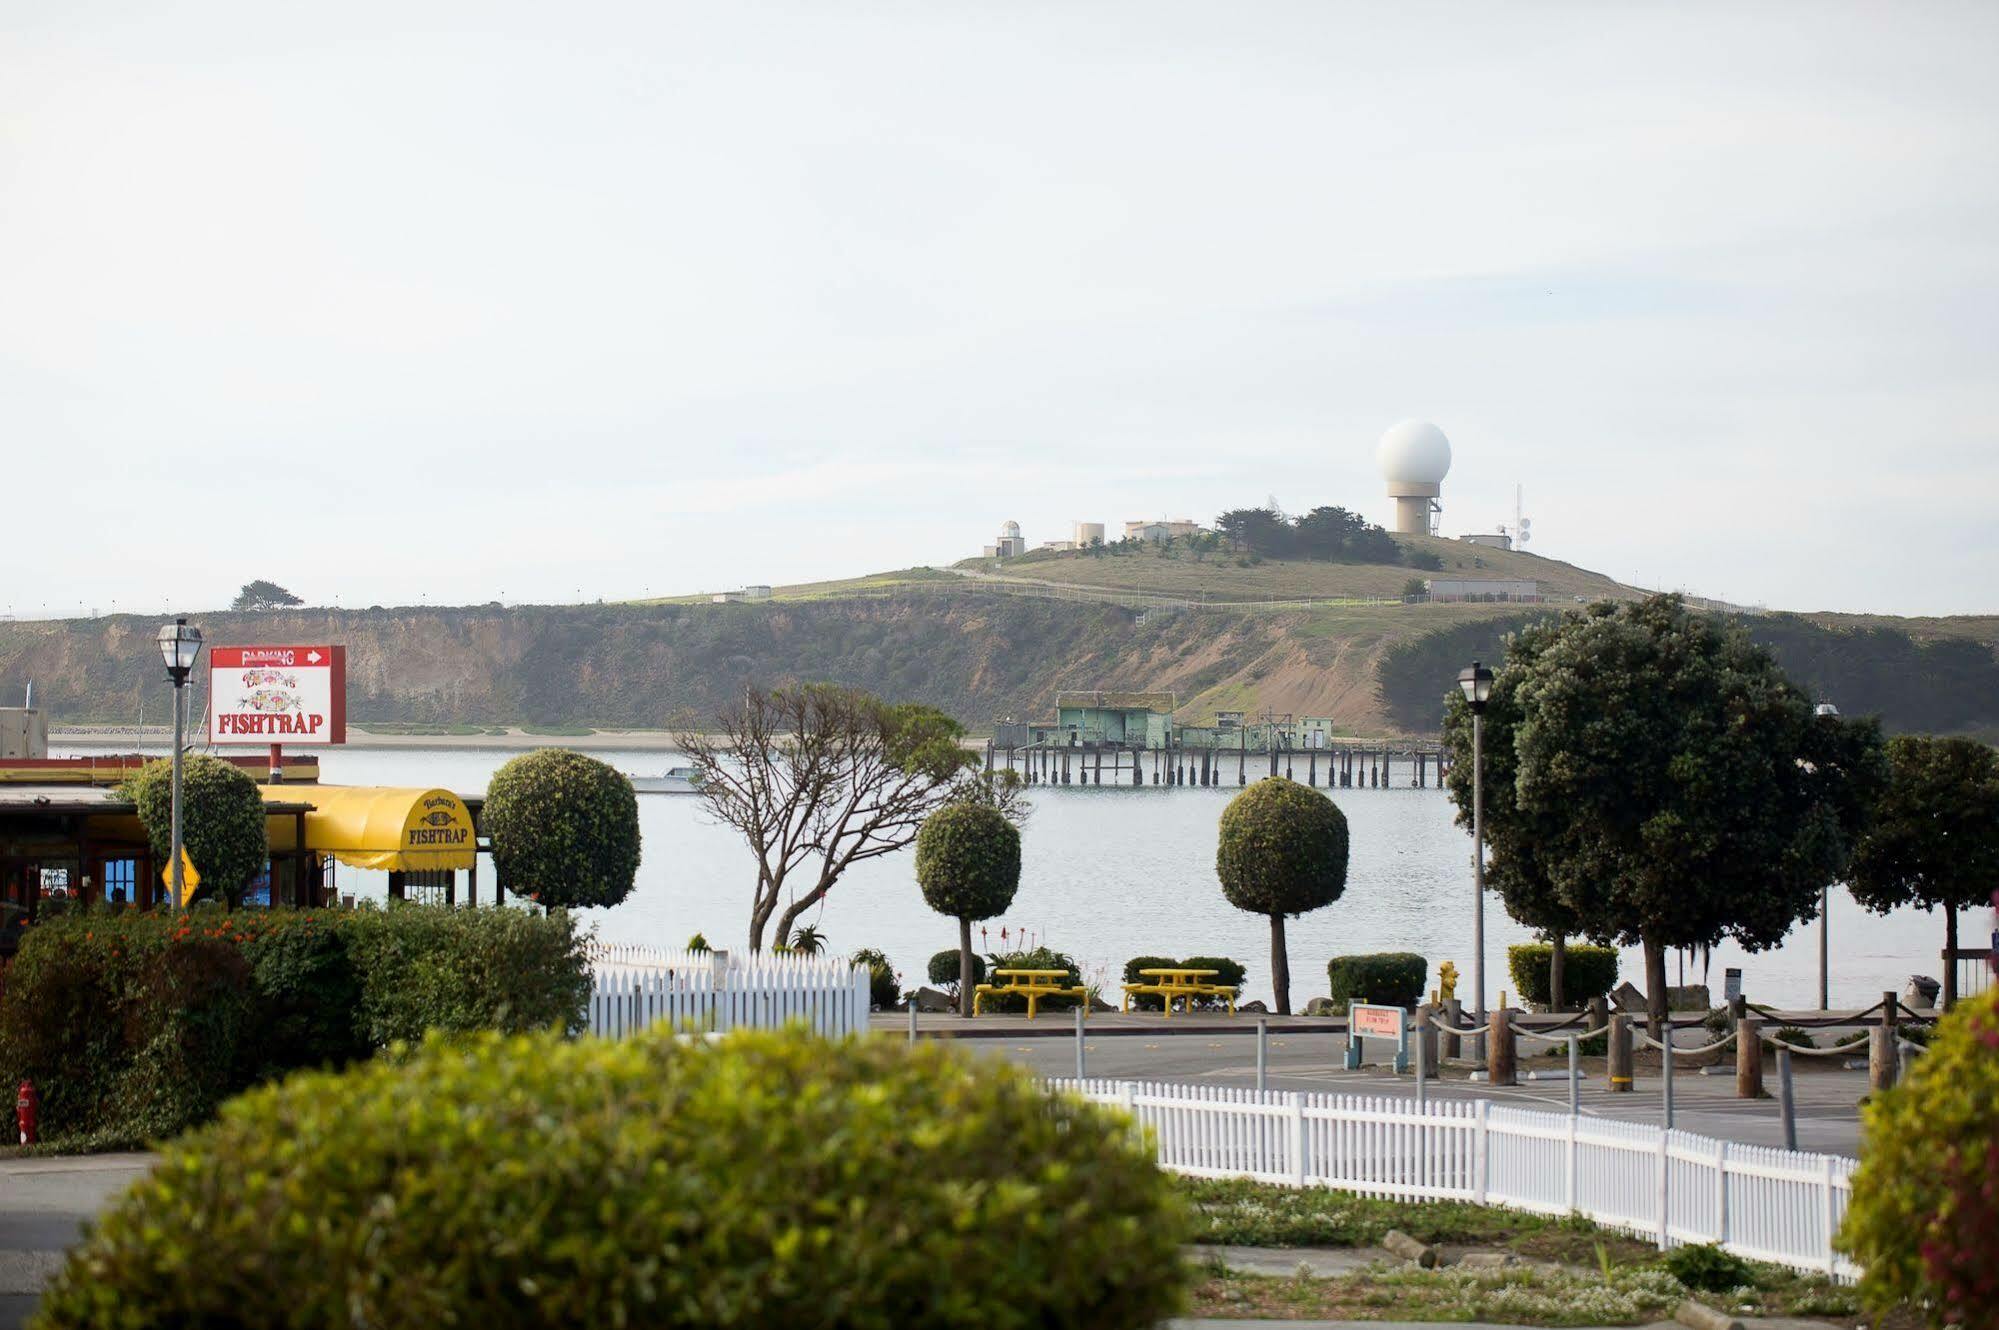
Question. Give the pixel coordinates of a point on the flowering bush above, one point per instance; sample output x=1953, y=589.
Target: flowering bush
x=769, y=1179
x=1926, y=1199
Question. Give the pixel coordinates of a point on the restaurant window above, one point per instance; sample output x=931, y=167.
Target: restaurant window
x=121, y=881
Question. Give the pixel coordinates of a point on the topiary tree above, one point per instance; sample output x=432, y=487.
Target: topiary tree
x=1283, y=851
x=222, y=821
x=1924, y=1205
x=968, y=864
x=947, y=968
x=564, y=827
x=1934, y=840
x=696, y=1152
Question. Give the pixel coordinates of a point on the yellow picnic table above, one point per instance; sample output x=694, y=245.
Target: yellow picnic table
x=1171, y=982
x=1033, y=985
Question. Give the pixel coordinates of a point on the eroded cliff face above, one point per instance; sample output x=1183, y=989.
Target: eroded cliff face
x=978, y=657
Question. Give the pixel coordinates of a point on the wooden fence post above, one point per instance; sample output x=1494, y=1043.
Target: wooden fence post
x=1502, y=1068
x=1749, y=1058
x=1620, y=1054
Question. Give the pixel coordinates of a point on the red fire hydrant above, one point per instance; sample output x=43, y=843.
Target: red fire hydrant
x=28, y=1112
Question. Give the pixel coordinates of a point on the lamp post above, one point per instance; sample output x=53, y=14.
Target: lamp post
x=1825, y=711
x=1477, y=684
x=179, y=645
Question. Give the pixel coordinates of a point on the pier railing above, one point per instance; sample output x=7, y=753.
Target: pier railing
x=1672, y=1187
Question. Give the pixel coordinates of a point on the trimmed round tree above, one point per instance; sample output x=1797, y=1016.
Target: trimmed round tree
x=1283, y=851
x=565, y=829
x=968, y=864
x=221, y=822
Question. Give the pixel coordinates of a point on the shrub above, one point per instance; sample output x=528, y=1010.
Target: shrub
x=428, y=969
x=884, y=991
x=1792, y=1034
x=1924, y=1207
x=768, y=1179
x=1706, y=1268
x=1588, y=972
x=698, y=943
x=1228, y=972
x=565, y=829
x=1037, y=958
x=1132, y=975
x=222, y=821
x=1389, y=978
x=944, y=969
x=135, y=1026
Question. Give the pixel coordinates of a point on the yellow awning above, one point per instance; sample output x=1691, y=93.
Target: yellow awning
x=390, y=829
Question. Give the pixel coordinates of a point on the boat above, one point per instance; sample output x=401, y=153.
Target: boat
x=677, y=780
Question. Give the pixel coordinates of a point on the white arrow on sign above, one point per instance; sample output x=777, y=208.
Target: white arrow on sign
x=312, y=658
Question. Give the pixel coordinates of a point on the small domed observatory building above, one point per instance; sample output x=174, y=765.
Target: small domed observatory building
x=1414, y=457
x=1009, y=544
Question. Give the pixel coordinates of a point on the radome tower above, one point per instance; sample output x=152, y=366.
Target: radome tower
x=1414, y=457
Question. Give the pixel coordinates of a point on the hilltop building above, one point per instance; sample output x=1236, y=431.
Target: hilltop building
x=1484, y=588
x=1161, y=530
x=1009, y=544
x=1497, y=540
x=1414, y=457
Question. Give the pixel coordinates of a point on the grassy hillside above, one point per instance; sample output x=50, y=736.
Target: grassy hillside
x=1230, y=577
x=984, y=649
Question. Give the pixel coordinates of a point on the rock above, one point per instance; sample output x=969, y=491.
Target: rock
x=929, y=999
x=1921, y=994
x=1693, y=997
x=1703, y=1317
x=1398, y=1243
x=1320, y=1006
x=1255, y=1007
x=1487, y=1260
x=1098, y=1004
x=1627, y=999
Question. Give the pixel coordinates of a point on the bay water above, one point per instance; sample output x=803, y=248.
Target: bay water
x=1114, y=872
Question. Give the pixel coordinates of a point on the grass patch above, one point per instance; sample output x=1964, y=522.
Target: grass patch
x=1573, y=1271
x=1235, y=1211
x=419, y=728
x=1523, y=1295
x=558, y=731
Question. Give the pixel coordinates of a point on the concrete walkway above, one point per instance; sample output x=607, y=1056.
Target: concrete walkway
x=43, y=1203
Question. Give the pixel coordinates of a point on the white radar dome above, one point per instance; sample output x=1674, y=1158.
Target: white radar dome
x=1010, y=529
x=1414, y=452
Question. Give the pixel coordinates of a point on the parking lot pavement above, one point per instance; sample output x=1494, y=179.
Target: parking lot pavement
x=1827, y=1100
x=43, y=1203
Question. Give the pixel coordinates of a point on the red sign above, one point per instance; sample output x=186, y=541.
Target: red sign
x=277, y=695
x=1375, y=1022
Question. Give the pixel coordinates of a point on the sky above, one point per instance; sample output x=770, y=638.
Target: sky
x=446, y=302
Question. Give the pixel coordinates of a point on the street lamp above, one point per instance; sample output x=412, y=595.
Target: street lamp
x=1477, y=684
x=1824, y=711
x=179, y=645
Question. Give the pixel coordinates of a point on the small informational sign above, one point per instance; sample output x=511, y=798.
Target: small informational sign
x=1731, y=983
x=1366, y=1021
x=277, y=695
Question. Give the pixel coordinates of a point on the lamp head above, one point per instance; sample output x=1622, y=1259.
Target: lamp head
x=179, y=645
x=1477, y=684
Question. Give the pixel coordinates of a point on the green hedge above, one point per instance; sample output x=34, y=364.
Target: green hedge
x=769, y=1179
x=1145, y=1001
x=136, y=1026
x=1228, y=972
x=1588, y=972
x=944, y=968
x=1388, y=978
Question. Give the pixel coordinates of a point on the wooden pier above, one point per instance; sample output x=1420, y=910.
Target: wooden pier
x=1345, y=764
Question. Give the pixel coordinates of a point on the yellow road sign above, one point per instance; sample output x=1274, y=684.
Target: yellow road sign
x=189, y=879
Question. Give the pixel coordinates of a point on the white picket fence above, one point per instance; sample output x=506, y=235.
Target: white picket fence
x=704, y=991
x=1672, y=1186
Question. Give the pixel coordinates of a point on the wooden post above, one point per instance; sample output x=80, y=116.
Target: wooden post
x=1241, y=758
x=1619, y=1073
x=1454, y=1016
x=1426, y=1041
x=1597, y=1014
x=1501, y=1064
x=1749, y=1058
x=1883, y=1058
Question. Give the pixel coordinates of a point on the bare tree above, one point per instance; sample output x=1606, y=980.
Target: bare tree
x=817, y=778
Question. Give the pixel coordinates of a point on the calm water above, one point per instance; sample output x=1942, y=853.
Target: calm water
x=1117, y=872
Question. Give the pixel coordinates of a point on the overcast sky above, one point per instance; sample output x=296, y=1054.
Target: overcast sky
x=548, y=302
